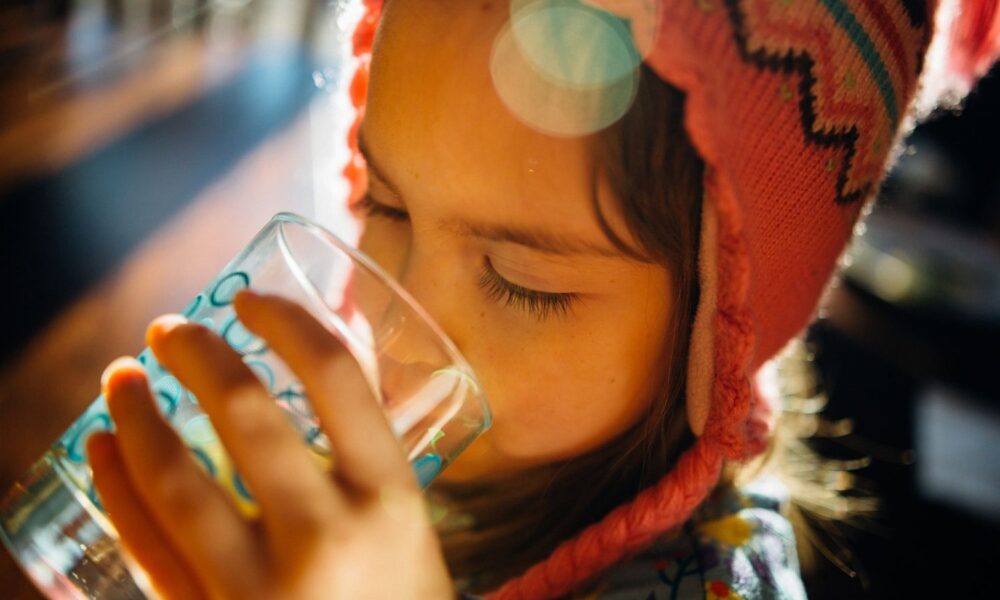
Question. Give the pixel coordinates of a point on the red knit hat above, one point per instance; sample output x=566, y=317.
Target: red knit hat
x=794, y=108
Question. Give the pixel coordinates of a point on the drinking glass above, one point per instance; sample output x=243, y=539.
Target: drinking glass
x=52, y=520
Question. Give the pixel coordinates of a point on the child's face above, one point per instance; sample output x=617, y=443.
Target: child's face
x=442, y=147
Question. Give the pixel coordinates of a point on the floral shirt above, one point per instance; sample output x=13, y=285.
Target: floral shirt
x=738, y=546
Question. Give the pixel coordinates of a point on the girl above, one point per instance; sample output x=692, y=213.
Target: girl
x=616, y=246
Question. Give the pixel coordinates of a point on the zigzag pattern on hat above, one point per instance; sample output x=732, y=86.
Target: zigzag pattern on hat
x=844, y=57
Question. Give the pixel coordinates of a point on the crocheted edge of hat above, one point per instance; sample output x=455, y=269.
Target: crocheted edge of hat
x=719, y=396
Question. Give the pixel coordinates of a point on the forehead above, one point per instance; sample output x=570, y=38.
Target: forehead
x=437, y=127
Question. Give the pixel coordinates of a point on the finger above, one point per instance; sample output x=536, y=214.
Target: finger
x=294, y=494
x=366, y=451
x=137, y=529
x=192, y=511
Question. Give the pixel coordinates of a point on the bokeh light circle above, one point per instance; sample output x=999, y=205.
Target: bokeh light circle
x=574, y=43
x=565, y=68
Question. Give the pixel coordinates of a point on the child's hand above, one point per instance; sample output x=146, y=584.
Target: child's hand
x=359, y=533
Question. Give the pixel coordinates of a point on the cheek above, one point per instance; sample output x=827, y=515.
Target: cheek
x=386, y=242
x=569, y=395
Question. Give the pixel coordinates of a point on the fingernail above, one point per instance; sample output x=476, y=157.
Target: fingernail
x=247, y=292
x=161, y=326
x=243, y=296
x=127, y=366
x=99, y=446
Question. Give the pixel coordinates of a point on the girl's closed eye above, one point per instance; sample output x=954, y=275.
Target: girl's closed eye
x=370, y=207
x=498, y=289
x=534, y=302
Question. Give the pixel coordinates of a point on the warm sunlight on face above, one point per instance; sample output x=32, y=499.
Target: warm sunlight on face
x=489, y=224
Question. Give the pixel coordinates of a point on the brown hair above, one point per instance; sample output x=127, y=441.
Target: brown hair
x=499, y=527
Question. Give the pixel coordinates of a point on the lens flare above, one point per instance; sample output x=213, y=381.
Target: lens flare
x=565, y=68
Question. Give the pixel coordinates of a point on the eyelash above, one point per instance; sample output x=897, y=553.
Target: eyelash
x=370, y=207
x=540, y=304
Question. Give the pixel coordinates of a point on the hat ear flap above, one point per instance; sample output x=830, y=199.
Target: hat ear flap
x=701, y=363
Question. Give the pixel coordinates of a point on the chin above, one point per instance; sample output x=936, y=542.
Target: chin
x=489, y=456
x=481, y=459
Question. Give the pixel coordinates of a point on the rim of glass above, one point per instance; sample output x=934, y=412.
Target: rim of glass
x=374, y=269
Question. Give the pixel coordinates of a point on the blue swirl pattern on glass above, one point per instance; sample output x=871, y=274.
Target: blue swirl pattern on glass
x=180, y=407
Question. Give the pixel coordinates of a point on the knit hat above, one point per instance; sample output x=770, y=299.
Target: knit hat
x=795, y=107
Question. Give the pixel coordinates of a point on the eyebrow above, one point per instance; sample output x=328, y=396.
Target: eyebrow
x=373, y=168
x=538, y=239
x=541, y=240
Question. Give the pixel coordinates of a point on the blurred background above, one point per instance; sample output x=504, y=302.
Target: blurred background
x=906, y=354
x=144, y=142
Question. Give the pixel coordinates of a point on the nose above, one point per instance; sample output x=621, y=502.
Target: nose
x=423, y=392
x=421, y=275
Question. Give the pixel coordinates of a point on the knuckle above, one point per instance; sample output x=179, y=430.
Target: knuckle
x=173, y=485
x=248, y=413
x=241, y=387
x=310, y=521
x=336, y=368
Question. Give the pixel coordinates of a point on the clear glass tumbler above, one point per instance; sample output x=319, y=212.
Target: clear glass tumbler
x=52, y=520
